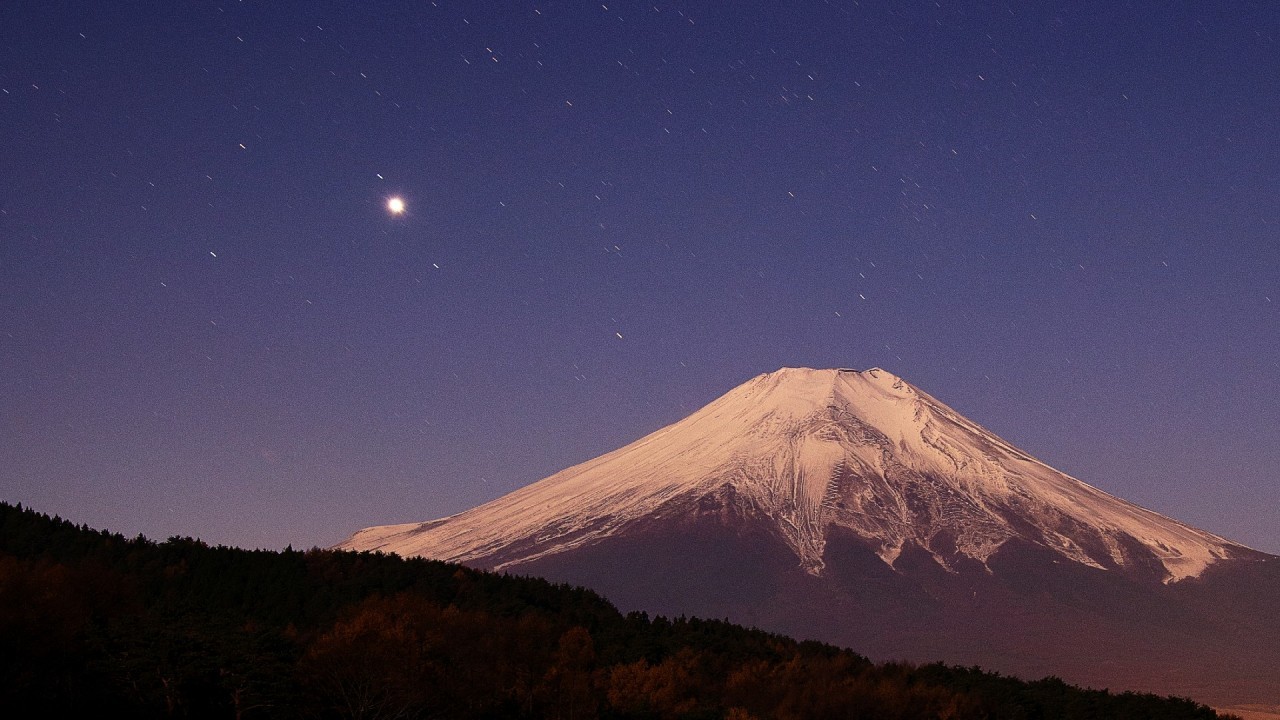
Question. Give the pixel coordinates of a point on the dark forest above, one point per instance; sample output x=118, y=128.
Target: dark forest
x=93, y=623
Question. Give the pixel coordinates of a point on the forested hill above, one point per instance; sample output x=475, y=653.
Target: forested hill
x=94, y=624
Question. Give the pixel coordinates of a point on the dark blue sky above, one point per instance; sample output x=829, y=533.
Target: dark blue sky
x=1061, y=218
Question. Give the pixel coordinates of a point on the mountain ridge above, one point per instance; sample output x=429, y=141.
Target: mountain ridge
x=812, y=449
x=851, y=507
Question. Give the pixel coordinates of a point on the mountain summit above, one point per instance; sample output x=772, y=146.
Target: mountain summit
x=810, y=450
x=852, y=507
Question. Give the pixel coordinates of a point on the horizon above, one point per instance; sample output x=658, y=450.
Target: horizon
x=277, y=272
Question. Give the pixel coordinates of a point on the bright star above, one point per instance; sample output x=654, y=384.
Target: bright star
x=395, y=206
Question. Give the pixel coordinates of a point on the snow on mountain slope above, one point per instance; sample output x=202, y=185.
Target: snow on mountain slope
x=808, y=450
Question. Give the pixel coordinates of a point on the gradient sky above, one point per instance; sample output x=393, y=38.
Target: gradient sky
x=1061, y=218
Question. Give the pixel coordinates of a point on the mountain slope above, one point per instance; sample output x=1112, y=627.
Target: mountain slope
x=814, y=450
x=854, y=508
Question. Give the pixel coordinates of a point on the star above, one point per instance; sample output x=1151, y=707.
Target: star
x=395, y=205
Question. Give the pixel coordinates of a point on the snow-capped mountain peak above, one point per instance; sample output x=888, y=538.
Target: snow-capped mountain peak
x=806, y=451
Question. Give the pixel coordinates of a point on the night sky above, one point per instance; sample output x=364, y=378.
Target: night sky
x=1061, y=218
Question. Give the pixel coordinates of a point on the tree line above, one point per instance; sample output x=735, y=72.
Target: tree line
x=93, y=623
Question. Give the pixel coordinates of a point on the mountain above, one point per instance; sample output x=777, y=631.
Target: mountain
x=852, y=507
